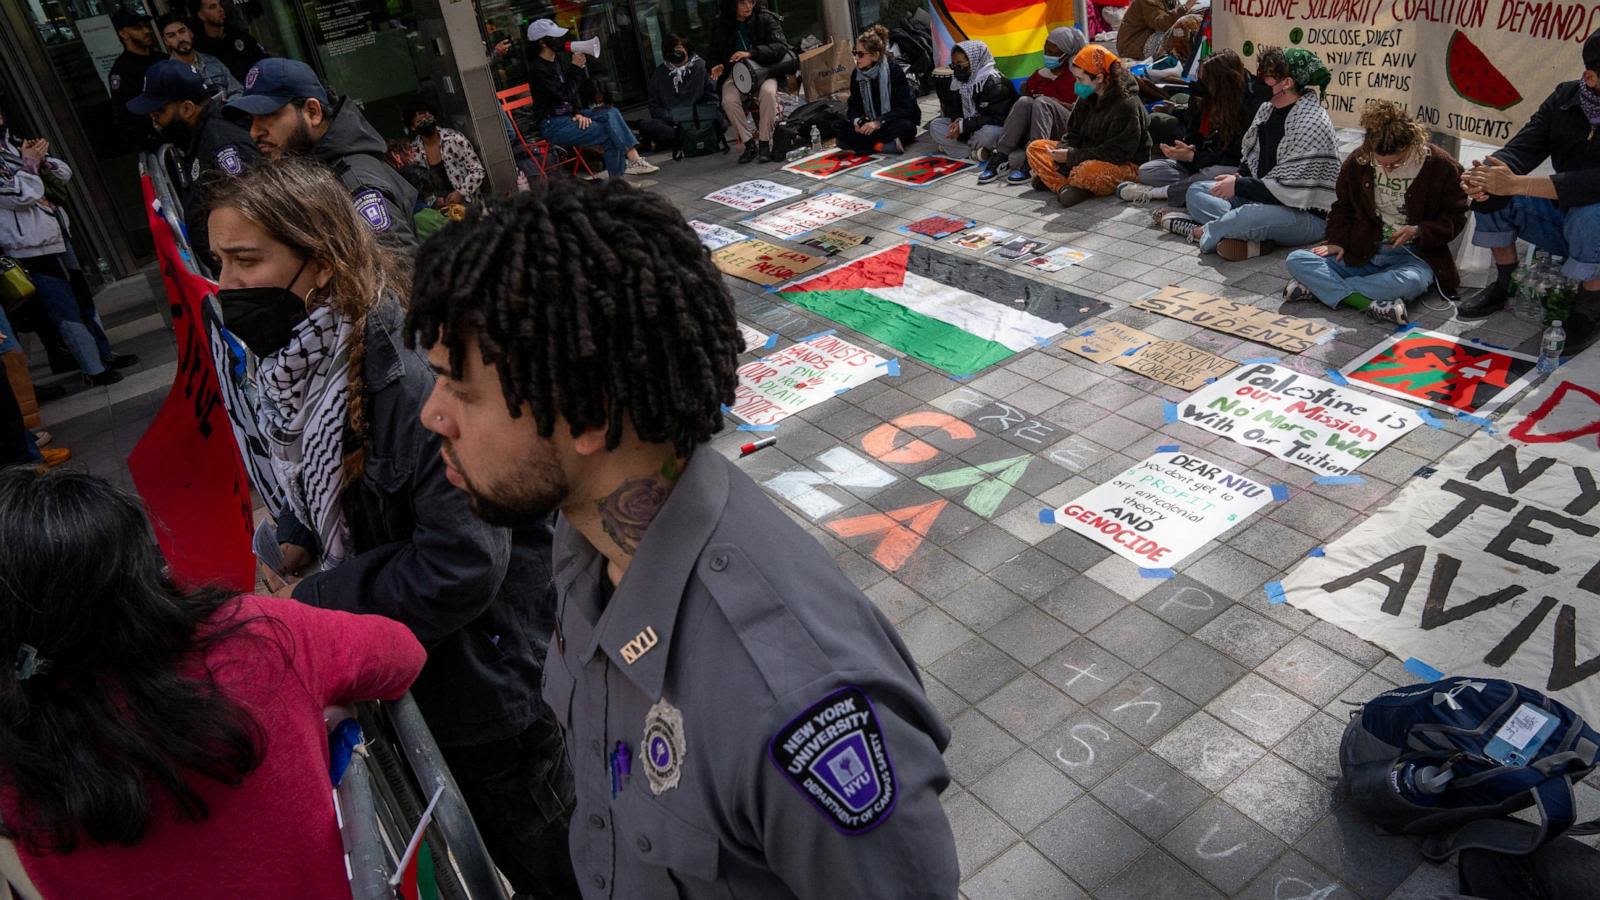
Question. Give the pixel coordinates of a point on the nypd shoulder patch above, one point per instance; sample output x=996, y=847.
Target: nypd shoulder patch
x=835, y=755
x=374, y=211
x=229, y=160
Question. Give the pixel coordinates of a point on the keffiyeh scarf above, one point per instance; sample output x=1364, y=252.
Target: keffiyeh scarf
x=679, y=73
x=983, y=70
x=1590, y=103
x=1307, y=170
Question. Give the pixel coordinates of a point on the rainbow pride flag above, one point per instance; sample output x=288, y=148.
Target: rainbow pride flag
x=1014, y=30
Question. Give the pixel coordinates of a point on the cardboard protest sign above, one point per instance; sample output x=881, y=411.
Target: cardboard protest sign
x=763, y=262
x=755, y=339
x=1163, y=509
x=1107, y=341
x=715, y=237
x=775, y=387
x=1444, y=372
x=833, y=240
x=1239, y=319
x=1058, y=259
x=1018, y=248
x=982, y=238
x=829, y=163
x=1487, y=565
x=1176, y=363
x=750, y=196
x=1312, y=423
x=923, y=170
x=809, y=214
x=937, y=227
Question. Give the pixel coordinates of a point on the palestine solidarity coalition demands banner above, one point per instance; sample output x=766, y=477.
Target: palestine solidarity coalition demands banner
x=1488, y=565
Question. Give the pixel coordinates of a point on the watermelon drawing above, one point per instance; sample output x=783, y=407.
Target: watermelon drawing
x=1475, y=78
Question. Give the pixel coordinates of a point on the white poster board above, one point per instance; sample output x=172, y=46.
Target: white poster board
x=809, y=214
x=775, y=387
x=750, y=196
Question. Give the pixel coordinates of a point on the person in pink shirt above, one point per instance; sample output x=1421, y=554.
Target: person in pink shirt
x=157, y=742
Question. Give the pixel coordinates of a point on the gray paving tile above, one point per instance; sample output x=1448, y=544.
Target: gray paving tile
x=1086, y=747
x=976, y=669
x=1310, y=670
x=1156, y=876
x=1031, y=574
x=1088, y=842
x=1365, y=688
x=1314, y=747
x=1151, y=795
x=1025, y=790
x=1184, y=603
x=1232, y=573
x=1028, y=707
x=981, y=604
x=931, y=634
x=1082, y=603
x=1245, y=636
x=1277, y=545
x=936, y=574
x=1122, y=577
x=1142, y=707
x=948, y=703
x=1348, y=846
x=1293, y=877
x=1083, y=670
x=980, y=834
x=1029, y=635
x=1021, y=873
x=1135, y=635
x=897, y=601
x=1210, y=752
x=1348, y=645
x=1224, y=846
x=1427, y=882
x=1075, y=550
x=977, y=745
x=1195, y=670
x=1280, y=798
x=986, y=547
x=1259, y=709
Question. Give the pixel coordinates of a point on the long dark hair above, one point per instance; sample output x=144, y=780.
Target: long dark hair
x=1225, y=81
x=95, y=717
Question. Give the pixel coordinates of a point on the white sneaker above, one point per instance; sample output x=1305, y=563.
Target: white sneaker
x=1134, y=192
x=1391, y=311
x=1295, y=292
x=640, y=166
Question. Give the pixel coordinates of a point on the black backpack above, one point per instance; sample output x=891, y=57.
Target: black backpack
x=699, y=130
x=913, y=38
x=819, y=114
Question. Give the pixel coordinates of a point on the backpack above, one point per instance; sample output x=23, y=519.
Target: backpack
x=1456, y=757
x=819, y=114
x=786, y=137
x=913, y=38
x=699, y=130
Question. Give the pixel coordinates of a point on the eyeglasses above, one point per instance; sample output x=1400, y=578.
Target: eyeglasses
x=858, y=53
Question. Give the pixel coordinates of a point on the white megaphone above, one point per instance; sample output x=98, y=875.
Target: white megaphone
x=589, y=48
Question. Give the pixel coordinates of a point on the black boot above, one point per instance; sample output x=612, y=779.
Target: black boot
x=749, y=154
x=765, y=154
x=1581, y=322
x=1072, y=196
x=1492, y=298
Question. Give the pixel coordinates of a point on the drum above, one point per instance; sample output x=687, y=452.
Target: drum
x=748, y=75
x=949, y=100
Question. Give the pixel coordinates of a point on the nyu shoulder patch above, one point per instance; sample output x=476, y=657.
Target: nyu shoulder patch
x=370, y=204
x=834, y=753
x=229, y=160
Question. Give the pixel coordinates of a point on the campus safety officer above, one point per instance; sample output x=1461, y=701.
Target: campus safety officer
x=126, y=77
x=215, y=36
x=180, y=106
x=292, y=113
x=742, y=722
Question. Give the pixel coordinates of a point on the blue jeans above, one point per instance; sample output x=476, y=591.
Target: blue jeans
x=56, y=297
x=1573, y=233
x=1391, y=275
x=987, y=137
x=608, y=131
x=8, y=343
x=1244, y=221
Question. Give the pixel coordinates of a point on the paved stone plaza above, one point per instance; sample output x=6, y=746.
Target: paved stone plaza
x=1115, y=736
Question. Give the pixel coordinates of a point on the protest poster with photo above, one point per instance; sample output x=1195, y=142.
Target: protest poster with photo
x=829, y=163
x=923, y=170
x=833, y=240
x=1486, y=565
x=715, y=237
x=810, y=214
x=1238, y=319
x=1021, y=247
x=764, y=263
x=1315, y=424
x=1163, y=509
x=937, y=227
x=777, y=386
x=1443, y=371
x=1058, y=259
x=981, y=239
x=750, y=196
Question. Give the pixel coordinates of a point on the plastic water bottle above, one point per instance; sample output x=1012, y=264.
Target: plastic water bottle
x=1421, y=784
x=816, y=137
x=796, y=153
x=1555, y=340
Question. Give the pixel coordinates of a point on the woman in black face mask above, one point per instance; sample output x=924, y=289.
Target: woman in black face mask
x=679, y=83
x=457, y=171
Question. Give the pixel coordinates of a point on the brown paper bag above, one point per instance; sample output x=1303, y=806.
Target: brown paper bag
x=826, y=69
x=16, y=366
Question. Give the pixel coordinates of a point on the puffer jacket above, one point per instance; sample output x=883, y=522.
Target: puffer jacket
x=29, y=225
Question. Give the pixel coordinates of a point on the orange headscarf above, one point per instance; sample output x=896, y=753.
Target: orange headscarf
x=1095, y=59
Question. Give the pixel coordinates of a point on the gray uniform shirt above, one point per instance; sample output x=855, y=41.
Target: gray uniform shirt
x=778, y=740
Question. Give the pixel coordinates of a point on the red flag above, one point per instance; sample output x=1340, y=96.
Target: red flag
x=187, y=466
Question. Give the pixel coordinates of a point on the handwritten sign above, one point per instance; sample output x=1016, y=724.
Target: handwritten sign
x=1107, y=341
x=754, y=338
x=775, y=387
x=833, y=240
x=1169, y=362
x=1239, y=319
x=763, y=262
x=1312, y=423
x=715, y=237
x=937, y=227
x=1443, y=371
x=1163, y=509
x=809, y=214
x=750, y=196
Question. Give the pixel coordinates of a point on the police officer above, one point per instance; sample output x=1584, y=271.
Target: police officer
x=291, y=113
x=183, y=111
x=126, y=77
x=215, y=36
x=742, y=722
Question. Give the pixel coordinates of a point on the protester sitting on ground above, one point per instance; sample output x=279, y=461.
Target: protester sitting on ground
x=561, y=92
x=746, y=29
x=1143, y=31
x=368, y=520
x=1220, y=108
x=293, y=113
x=679, y=83
x=986, y=97
x=1041, y=112
x=1285, y=185
x=457, y=172
x=175, y=33
x=158, y=741
x=1560, y=212
x=882, y=115
x=1106, y=137
x=1399, y=205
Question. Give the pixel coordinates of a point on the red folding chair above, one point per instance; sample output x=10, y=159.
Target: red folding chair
x=545, y=155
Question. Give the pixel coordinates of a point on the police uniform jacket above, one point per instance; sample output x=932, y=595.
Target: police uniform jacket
x=220, y=148
x=126, y=80
x=355, y=152
x=742, y=721
x=236, y=48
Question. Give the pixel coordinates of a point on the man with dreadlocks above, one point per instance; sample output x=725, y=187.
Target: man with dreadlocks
x=731, y=701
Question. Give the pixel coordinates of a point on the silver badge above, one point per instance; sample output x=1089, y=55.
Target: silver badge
x=194, y=170
x=662, y=747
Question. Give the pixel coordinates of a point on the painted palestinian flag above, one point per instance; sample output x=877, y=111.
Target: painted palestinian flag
x=952, y=313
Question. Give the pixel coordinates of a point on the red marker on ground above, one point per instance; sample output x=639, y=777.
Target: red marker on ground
x=753, y=446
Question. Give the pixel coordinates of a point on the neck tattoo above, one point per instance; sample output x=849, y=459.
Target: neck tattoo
x=626, y=513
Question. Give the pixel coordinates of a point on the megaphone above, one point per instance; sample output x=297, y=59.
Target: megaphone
x=589, y=48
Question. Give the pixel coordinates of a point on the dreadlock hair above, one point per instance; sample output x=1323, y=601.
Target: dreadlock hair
x=594, y=302
x=1389, y=129
x=302, y=204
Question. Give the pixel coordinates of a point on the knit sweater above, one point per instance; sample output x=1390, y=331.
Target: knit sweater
x=1435, y=204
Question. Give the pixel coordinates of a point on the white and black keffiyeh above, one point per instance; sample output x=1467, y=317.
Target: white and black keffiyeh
x=1307, y=170
x=303, y=391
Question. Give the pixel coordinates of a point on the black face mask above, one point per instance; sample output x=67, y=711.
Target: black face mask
x=961, y=73
x=678, y=55
x=263, y=317
x=426, y=128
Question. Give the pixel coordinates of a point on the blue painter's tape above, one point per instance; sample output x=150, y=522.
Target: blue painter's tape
x=1405, y=328
x=892, y=366
x=1280, y=492
x=1316, y=551
x=1211, y=381
x=1156, y=573
x=960, y=377
x=1337, y=377
x=820, y=334
x=1275, y=594
x=1483, y=343
x=1429, y=419
x=1169, y=411
x=840, y=391
x=757, y=428
x=772, y=341
x=1086, y=332
x=1340, y=479
x=1168, y=448
x=1041, y=341
x=725, y=408
x=1479, y=421
x=1422, y=670
x=1047, y=516
x=1256, y=360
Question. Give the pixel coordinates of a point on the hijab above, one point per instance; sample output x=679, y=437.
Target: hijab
x=983, y=71
x=1069, y=39
x=880, y=74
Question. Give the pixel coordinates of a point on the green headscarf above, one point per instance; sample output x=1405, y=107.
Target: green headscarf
x=1307, y=70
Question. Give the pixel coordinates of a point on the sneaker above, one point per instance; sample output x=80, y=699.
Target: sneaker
x=1134, y=192
x=1295, y=292
x=109, y=376
x=1392, y=312
x=894, y=147
x=1160, y=213
x=42, y=438
x=640, y=166
x=54, y=456
x=1072, y=196
x=1181, y=225
x=1235, y=250
x=121, y=360
x=991, y=169
x=1018, y=176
